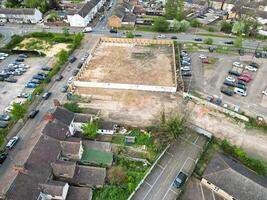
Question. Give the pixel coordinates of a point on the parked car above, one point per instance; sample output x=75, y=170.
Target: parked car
x=185, y=68
x=31, y=85
x=137, y=35
x=38, y=77
x=42, y=74
x=46, y=68
x=75, y=72
x=229, y=42
x=240, y=91
x=64, y=88
x=227, y=91
x=250, y=68
x=46, y=95
x=248, y=76
x=186, y=73
x=206, y=61
x=4, y=117
x=87, y=30
x=70, y=80
x=238, y=64
x=245, y=79
x=58, y=77
x=229, y=83
x=230, y=79
x=253, y=64
x=241, y=86
x=174, y=37
x=198, y=39
x=72, y=59
x=161, y=36
x=12, y=142
x=3, y=124
x=35, y=81
x=20, y=60
x=234, y=73
x=113, y=30
x=11, y=80
x=4, y=54
x=201, y=56
x=241, y=82
x=79, y=66
x=3, y=157
x=180, y=180
x=23, y=55
x=23, y=95
x=33, y=113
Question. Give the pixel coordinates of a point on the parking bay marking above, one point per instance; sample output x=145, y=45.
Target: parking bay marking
x=160, y=175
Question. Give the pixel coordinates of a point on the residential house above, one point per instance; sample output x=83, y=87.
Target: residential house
x=72, y=149
x=53, y=190
x=63, y=169
x=232, y=177
x=107, y=128
x=20, y=15
x=84, y=15
x=122, y=15
x=80, y=193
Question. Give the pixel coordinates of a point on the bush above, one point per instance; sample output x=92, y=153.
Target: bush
x=16, y=39
x=38, y=90
x=195, y=23
x=226, y=26
x=130, y=34
x=73, y=107
x=43, y=34
x=117, y=175
x=18, y=111
x=89, y=130
x=238, y=42
x=161, y=24
x=238, y=153
x=208, y=41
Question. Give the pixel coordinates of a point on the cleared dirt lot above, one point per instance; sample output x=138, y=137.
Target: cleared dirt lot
x=208, y=79
x=131, y=64
x=131, y=107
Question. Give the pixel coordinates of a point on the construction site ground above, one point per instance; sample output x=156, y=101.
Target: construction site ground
x=131, y=64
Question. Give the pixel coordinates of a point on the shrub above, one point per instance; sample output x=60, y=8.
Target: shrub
x=16, y=39
x=208, y=41
x=73, y=107
x=265, y=48
x=117, y=175
x=38, y=90
x=195, y=23
x=89, y=129
x=238, y=42
x=130, y=34
x=18, y=111
x=226, y=26
x=161, y=24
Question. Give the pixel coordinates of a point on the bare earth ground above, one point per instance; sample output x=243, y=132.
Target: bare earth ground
x=131, y=64
x=135, y=108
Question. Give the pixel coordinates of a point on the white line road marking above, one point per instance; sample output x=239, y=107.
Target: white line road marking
x=173, y=191
x=148, y=184
x=169, y=153
x=196, y=139
x=160, y=166
x=213, y=195
x=190, y=142
x=202, y=193
x=158, y=176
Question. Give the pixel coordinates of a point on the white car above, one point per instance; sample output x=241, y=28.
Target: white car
x=11, y=143
x=2, y=58
x=162, y=36
x=250, y=68
x=4, y=54
x=24, y=65
x=70, y=80
x=264, y=92
x=8, y=109
x=185, y=68
x=230, y=78
x=237, y=64
x=201, y=56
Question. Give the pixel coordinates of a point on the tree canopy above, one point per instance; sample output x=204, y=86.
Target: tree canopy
x=18, y=111
x=161, y=24
x=174, y=9
x=89, y=129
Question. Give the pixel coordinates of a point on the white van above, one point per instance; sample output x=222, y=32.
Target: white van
x=240, y=91
x=87, y=30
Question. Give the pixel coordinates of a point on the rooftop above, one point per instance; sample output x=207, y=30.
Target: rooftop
x=79, y=193
x=54, y=188
x=56, y=129
x=63, y=115
x=17, y=11
x=64, y=169
x=98, y=157
x=70, y=147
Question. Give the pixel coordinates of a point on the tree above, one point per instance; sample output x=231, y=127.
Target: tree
x=238, y=28
x=53, y=16
x=66, y=31
x=176, y=25
x=238, y=42
x=174, y=9
x=195, y=23
x=161, y=24
x=251, y=25
x=184, y=25
x=12, y=3
x=77, y=39
x=18, y=111
x=208, y=41
x=226, y=26
x=130, y=34
x=117, y=175
x=89, y=129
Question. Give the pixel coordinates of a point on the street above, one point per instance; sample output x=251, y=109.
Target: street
x=31, y=131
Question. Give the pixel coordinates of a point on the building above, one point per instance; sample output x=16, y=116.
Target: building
x=122, y=16
x=20, y=15
x=72, y=149
x=84, y=15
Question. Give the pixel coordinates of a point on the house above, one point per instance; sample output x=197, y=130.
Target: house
x=84, y=15
x=108, y=128
x=122, y=15
x=53, y=190
x=79, y=120
x=72, y=149
x=56, y=130
x=81, y=193
x=20, y=15
x=235, y=179
x=63, y=169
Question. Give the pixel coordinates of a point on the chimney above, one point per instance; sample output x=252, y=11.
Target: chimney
x=20, y=169
x=48, y=117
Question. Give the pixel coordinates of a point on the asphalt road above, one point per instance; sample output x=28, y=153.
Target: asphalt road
x=31, y=131
x=181, y=156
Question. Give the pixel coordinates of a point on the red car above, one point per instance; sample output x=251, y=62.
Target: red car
x=206, y=61
x=247, y=76
x=243, y=78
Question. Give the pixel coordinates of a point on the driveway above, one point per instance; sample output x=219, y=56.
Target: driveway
x=181, y=156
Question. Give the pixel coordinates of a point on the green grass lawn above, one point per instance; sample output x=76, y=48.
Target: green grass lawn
x=98, y=157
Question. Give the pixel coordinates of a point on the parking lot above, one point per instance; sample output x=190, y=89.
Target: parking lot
x=208, y=79
x=9, y=90
x=181, y=156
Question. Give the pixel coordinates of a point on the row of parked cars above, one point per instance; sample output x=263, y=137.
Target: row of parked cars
x=185, y=62
x=238, y=78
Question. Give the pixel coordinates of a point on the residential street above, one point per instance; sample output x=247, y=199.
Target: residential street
x=31, y=131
